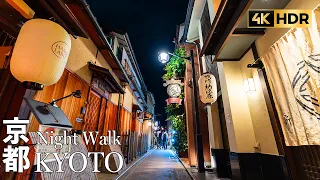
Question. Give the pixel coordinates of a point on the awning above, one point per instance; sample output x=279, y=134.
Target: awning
x=223, y=25
x=104, y=75
x=136, y=107
x=147, y=115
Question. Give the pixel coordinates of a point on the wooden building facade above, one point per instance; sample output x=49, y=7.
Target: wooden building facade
x=111, y=99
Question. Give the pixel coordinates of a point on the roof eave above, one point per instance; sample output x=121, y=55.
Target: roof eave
x=228, y=15
x=187, y=21
x=81, y=9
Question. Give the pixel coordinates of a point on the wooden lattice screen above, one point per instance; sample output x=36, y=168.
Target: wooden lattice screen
x=92, y=116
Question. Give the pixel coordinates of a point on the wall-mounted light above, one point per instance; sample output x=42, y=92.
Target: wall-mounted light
x=149, y=123
x=248, y=85
x=76, y=94
x=163, y=57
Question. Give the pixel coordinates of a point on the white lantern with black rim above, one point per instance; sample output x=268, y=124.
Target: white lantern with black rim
x=40, y=53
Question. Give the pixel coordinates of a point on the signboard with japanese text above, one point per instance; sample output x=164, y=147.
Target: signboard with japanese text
x=100, y=87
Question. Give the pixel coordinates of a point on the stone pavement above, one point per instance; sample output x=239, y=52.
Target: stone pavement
x=208, y=175
x=158, y=165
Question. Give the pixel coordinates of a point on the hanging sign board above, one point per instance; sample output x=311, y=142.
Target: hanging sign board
x=100, y=87
x=140, y=116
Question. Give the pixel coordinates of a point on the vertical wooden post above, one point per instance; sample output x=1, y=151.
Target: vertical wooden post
x=129, y=147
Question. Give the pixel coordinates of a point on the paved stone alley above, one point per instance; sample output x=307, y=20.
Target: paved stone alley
x=158, y=165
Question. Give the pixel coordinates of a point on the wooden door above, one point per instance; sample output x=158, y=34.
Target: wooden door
x=102, y=122
x=110, y=117
x=125, y=121
x=70, y=106
x=92, y=116
x=101, y=116
x=307, y=161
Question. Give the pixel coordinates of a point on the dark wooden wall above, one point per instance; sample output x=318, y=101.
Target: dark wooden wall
x=11, y=97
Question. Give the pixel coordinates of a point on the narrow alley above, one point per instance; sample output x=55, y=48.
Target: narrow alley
x=160, y=90
x=158, y=165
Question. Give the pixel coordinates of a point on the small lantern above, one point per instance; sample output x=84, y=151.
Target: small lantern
x=40, y=53
x=207, y=88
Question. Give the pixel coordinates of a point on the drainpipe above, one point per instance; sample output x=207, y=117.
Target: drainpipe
x=118, y=115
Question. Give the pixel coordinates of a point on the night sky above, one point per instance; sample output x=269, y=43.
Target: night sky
x=151, y=26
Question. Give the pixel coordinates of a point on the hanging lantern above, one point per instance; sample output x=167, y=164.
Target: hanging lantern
x=207, y=88
x=40, y=53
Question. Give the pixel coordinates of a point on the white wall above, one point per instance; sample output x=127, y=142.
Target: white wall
x=258, y=110
x=238, y=119
x=82, y=51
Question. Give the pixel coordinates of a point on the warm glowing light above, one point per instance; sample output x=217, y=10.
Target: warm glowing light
x=149, y=123
x=208, y=88
x=41, y=52
x=163, y=57
x=248, y=85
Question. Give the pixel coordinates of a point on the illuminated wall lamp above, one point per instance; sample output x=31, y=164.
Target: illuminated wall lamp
x=248, y=85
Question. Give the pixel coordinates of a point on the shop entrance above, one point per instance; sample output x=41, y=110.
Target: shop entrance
x=92, y=117
x=301, y=162
x=101, y=115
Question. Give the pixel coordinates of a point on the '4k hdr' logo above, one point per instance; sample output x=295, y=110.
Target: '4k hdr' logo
x=258, y=18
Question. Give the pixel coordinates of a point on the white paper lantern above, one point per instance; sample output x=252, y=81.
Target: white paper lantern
x=207, y=88
x=41, y=52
